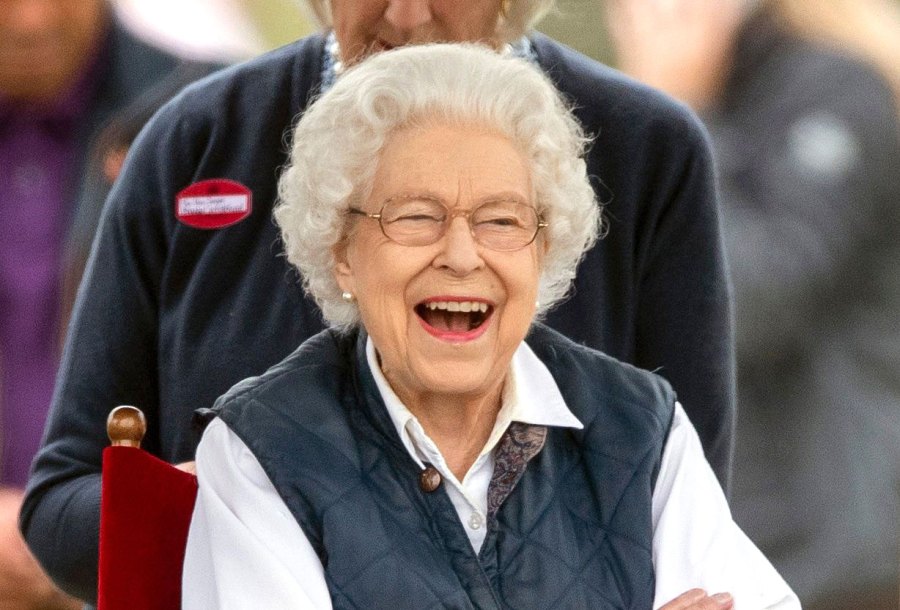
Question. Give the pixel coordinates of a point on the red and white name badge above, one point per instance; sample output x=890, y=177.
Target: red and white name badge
x=213, y=204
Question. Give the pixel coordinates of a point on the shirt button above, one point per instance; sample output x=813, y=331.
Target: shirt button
x=476, y=521
x=429, y=479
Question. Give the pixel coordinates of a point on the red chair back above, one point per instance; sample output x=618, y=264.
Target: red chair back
x=145, y=512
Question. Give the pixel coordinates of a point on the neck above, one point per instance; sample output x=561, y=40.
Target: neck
x=459, y=425
x=340, y=63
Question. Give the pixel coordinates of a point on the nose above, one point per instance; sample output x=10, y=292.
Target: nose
x=407, y=15
x=459, y=252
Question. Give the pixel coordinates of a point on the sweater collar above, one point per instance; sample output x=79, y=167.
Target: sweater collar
x=331, y=66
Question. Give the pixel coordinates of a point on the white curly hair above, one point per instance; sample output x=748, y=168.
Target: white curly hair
x=514, y=17
x=338, y=140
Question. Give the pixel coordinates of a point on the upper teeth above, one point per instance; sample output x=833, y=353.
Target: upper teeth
x=458, y=306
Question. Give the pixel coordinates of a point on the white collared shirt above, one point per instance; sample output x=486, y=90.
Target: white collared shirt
x=245, y=549
x=530, y=396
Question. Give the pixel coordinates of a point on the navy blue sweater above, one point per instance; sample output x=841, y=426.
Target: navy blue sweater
x=169, y=317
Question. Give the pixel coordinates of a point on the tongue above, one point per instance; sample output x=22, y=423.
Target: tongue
x=457, y=322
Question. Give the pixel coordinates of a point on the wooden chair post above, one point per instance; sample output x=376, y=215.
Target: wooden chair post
x=126, y=426
x=145, y=514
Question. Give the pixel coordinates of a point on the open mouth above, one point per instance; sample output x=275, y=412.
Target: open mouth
x=442, y=317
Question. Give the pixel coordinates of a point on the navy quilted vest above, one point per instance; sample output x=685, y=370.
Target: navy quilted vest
x=575, y=532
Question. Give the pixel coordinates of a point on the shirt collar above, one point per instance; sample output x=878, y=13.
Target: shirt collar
x=531, y=397
x=520, y=48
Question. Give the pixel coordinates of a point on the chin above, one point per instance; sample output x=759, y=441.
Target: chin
x=455, y=377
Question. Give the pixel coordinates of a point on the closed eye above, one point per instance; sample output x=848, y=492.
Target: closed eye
x=415, y=218
x=506, y=221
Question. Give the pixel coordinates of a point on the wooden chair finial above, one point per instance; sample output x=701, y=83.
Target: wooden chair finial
x=126, y=426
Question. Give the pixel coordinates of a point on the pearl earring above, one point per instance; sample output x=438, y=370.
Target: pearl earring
x=347, y=296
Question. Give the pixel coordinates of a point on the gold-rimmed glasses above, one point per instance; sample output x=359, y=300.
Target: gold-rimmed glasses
x=502, y=225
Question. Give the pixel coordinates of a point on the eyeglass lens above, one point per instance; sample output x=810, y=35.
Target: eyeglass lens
x=498, y=225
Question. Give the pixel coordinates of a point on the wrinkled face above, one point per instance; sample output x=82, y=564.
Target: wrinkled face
x=408, y=295
x=44, y=44
x=363, y=27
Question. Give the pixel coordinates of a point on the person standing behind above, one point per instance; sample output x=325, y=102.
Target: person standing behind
x=475, y=207
x=187, y=292
x=65, y=67
x=806, y=136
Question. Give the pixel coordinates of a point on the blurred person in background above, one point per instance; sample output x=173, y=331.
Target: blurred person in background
x=65, y=68
x=797, y=97
x=187, y=292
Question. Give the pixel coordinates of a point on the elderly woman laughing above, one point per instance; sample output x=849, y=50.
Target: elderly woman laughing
x=438, y=447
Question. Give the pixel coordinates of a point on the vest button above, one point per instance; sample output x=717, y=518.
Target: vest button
x=429, y=480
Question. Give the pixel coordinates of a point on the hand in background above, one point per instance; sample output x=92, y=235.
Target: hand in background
x=23, y=585
x=697, y=599
x=189, y=467
x=682, y=47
